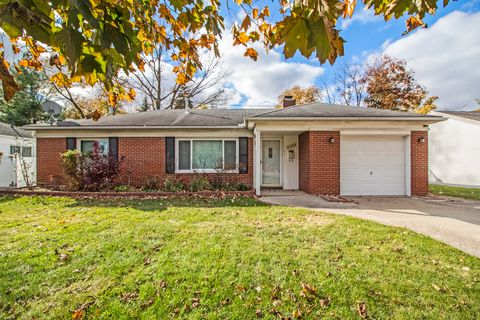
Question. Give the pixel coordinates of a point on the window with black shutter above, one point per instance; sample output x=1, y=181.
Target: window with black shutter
x=243, y=154
x=169, y=155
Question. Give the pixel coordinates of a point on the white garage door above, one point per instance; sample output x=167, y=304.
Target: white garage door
x=372, y=165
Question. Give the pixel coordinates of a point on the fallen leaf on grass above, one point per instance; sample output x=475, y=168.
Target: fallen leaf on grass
x=258, y=313
x=362, y=310
x=129, y=296
x=195, y=302
x=308, y=291
x=296, y=314
x=80, y=312
x=147, y=303
x=439, y=289
x=324, y=301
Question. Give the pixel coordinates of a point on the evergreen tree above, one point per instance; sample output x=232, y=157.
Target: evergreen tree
x=26, y=105
x=145, y=106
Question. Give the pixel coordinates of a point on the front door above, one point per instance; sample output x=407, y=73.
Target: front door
x=271, y=163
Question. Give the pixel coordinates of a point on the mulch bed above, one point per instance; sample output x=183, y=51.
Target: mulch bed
x=127, y=195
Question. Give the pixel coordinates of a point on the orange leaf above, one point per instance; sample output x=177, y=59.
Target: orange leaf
x=252, y=53
x=348, y=8
x=413, y=23
x=78, y=314
x=23, y=63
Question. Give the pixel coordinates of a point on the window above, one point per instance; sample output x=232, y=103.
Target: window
x=15, y=149
x=27, y=152
x=87, y=145
x=207, y=155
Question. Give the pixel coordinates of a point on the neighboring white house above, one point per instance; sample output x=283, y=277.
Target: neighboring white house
x=455, y=149
x=17, y=157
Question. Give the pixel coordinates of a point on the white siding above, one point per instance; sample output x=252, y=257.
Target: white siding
x=11, y=171
x=454, y=152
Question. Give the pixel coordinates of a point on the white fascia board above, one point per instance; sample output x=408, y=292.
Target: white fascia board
x=421, y=119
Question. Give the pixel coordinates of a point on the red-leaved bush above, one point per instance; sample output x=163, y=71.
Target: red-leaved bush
x=94, y=171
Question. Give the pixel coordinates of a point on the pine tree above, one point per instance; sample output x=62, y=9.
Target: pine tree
x=26, y=105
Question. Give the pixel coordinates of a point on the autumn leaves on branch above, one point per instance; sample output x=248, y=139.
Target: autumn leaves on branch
x=92, y=41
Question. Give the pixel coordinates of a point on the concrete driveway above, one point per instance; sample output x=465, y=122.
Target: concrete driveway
x=450, y=220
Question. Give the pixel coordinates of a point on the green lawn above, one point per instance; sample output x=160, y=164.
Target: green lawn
x=221, y=259
x=466, y=193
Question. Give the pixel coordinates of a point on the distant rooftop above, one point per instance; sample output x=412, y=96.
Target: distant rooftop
x=7, y=130
x=472, y=115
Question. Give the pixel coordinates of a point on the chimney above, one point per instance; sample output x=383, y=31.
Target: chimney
x=288, y=101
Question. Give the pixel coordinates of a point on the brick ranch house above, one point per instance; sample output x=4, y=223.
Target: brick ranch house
x=317, y=148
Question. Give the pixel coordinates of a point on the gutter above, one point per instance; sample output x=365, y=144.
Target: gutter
x=429, y=118
x=90, y=127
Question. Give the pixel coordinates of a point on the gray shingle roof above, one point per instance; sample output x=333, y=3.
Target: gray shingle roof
x=472, y=115
x=227, y=117
x=165, y=118
x=324, y=110
x=6, y=130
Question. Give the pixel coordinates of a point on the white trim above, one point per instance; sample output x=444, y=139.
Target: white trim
x=177, y=158
x=257, y=167
x=428, y=118
x=280, y=155
x=408, y=169
x=87, y=127
x=376, y=132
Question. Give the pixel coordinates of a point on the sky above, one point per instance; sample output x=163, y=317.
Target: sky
x=443, y=56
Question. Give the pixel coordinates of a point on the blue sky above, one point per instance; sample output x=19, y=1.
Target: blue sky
x=442, y=56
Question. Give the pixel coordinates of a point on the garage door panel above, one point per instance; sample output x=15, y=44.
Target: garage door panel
x=372, y=165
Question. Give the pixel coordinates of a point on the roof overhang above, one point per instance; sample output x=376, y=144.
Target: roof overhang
x=87, y=127
x=250, y=121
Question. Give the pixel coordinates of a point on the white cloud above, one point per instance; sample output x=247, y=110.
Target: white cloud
x=445, y=59
x=363, y=17
x=260, y=82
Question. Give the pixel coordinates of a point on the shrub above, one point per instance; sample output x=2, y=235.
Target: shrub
x=91, y=171
x=200, y=184
x=172, y=185
x=242, y=187
x=72, y=162
x=153, y=183
x=122, y=188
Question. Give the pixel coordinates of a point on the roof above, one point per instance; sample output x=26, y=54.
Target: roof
x=163, y=118
x=325, y=110
x=229, y=118
x=7, y=130
x=472, y=115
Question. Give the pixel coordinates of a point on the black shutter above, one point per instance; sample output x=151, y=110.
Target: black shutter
x=243, y=155
x=169, y=155
x=113, y=147
x=71, y=143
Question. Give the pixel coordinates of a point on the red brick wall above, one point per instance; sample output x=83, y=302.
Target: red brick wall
x=49, y=167
x=142, y=158
x=319, y=162
x=419, y=163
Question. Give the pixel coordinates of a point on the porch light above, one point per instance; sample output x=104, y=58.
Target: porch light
x=421, y=140
x=331, y=140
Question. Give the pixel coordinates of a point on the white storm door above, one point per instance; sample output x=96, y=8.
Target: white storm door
x=271, y=175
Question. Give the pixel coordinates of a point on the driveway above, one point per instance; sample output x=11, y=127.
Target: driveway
x=450, y=220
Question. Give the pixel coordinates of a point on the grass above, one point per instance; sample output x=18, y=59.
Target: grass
x=219, y=259
x=459, y=192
